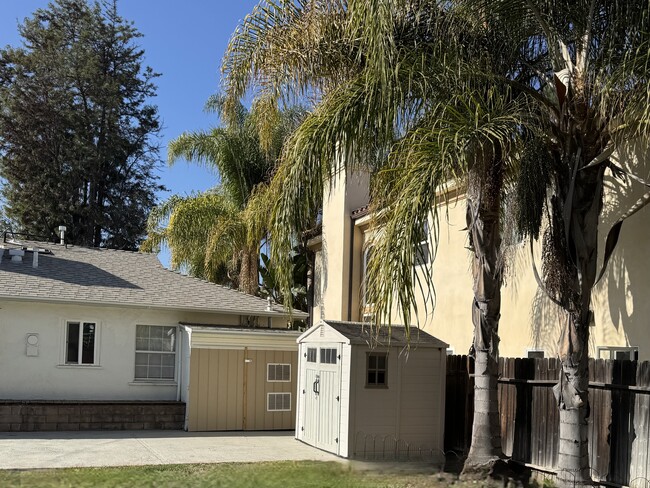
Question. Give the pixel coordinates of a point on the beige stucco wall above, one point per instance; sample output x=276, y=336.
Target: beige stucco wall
x=334, y=260
x=46, y=376
x=528, y=319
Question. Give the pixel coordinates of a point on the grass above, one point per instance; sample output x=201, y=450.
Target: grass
x=286, y=474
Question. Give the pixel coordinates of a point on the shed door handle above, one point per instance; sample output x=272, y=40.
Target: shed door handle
x=316, y=385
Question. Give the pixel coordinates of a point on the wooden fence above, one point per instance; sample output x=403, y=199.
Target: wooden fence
x=619, y=422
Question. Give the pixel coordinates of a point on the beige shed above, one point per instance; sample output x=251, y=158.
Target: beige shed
x=366, y=396
x=239, y=378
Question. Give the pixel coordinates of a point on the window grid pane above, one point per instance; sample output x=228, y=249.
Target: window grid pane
x=72, y=345
x=88, y=344
x=327, y=356
x=155, y=357
x=311, y=354
x=376, y=372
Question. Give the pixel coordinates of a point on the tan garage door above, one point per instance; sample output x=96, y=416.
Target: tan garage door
x=242, y=390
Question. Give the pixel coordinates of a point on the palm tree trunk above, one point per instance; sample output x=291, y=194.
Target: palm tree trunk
x=572, y=395
x=483, y=209
x=572, y=391
x=248, y=273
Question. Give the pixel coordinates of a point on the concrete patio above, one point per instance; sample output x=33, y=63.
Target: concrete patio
x=27, y=450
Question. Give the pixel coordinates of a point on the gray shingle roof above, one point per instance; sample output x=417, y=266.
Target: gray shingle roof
x=395, y=335
x=107, y=277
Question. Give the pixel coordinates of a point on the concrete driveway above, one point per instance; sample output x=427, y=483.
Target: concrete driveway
x=30, y=450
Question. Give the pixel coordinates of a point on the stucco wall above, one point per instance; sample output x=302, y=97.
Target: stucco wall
x=528, y=319
x=334, y=260
x=46, y=376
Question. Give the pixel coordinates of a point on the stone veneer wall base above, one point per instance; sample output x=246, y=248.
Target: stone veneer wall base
x=40, y=416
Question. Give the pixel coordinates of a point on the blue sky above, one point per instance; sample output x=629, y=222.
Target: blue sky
x=184, y=41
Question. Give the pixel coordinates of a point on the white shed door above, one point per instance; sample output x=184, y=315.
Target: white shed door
x=322, y=406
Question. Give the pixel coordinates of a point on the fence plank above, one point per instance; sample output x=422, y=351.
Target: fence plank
x=619, y=423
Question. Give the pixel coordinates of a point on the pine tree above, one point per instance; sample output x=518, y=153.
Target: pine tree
x=78, y=140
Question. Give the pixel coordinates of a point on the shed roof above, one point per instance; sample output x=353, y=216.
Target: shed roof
x=80, y=275
x=394, y=335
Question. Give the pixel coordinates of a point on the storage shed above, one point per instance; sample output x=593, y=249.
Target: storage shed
x=363, y=395
x=239, y=378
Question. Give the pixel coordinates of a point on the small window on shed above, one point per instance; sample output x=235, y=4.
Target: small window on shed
x=328, y=356
x=377, y=369
x=278, y=402
x=278, y=372
x=311, y=354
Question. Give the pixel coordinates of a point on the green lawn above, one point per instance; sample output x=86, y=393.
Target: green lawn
x=288, y=474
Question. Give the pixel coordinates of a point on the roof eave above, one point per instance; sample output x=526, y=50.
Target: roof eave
x=225, y=311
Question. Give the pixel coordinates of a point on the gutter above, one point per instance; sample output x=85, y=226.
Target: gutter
x=350, y=273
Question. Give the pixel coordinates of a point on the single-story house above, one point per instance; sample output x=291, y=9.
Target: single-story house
x=106, y=339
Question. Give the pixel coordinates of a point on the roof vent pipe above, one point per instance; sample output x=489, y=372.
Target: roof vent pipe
x=268, y=304
x=16, y=255
x=35, y=261
x=62, y=229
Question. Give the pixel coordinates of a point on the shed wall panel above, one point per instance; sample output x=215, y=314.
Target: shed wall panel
x=420, y=418
x=216, y=390
x=376, y=409
x=258, y=417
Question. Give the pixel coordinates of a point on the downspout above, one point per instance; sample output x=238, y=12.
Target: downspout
x=351, y=269
x=311, y=263
x=179, y=380
x=188, y=330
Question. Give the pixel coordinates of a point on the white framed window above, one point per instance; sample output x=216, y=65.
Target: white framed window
x=278, y=402
x=81, y=343
x=278, y=372
x=422, y=251
x=618, y=352
x=155, y=352
x=535, y=353
x=367, y=255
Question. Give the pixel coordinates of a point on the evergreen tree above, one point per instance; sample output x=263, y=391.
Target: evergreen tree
x=77, y=135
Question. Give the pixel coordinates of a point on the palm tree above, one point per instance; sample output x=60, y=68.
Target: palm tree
x=216, y=235
x=406, y=105
x=591, y=99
